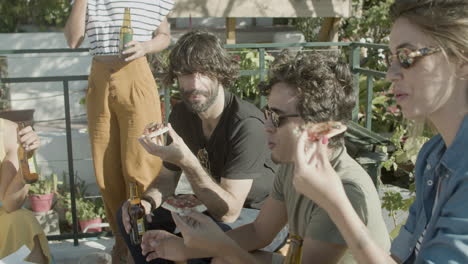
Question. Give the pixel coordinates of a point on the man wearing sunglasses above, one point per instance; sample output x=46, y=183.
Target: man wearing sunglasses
x=216, y=139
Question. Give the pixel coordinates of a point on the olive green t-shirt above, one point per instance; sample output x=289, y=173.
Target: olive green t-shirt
x=308, y=220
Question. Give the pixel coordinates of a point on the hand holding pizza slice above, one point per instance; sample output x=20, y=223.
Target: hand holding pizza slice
x=154, y=130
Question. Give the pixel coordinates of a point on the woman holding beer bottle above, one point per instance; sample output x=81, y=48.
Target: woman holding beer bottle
x=122, y=96
x=18, y=226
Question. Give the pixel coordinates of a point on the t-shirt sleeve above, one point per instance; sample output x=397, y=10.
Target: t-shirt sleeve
x=322, y=228
x=246, y=159
x=278, y=185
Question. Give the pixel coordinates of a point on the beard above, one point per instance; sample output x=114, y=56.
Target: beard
x=199, y=107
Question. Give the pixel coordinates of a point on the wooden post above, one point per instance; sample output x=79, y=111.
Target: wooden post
x=230, y=30
x=329, y=30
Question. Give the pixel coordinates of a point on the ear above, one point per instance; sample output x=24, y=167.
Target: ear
x=462, y=70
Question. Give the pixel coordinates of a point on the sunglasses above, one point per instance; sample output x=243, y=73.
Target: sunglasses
x=276, y=119
x=407, y=57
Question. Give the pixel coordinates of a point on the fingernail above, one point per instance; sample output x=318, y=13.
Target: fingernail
x=325, y=140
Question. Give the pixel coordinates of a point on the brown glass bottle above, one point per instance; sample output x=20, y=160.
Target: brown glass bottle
x=136, y=213
x=26, y=164
x=294, y=255
x=126, y=31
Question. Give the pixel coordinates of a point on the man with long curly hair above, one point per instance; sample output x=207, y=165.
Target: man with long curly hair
x=216, y=139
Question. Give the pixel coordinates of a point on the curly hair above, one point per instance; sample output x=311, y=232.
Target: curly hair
x=201, y=52
x=444, y=20
x=323, y=84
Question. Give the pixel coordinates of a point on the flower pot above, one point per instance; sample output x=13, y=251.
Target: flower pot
x=41, y=202
x=85, y=223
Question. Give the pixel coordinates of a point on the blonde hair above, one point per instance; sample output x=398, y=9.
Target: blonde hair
x=446, y=21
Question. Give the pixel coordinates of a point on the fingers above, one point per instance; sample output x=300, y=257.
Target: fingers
x=172, y=133
x=300, y=147
x=29, y=139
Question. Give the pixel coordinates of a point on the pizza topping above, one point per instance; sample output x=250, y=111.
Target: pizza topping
x=315, y=131
x=181, y=203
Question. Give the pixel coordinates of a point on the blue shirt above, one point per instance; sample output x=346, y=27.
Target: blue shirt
x=446, y=237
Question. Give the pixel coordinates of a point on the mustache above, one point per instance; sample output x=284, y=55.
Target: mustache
x=195, y=92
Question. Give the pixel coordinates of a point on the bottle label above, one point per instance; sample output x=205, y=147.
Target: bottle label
x=126, y=38
x=141, y=226
x=32, y=166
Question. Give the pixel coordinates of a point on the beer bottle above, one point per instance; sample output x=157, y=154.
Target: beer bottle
x=26, y=164
x=294, y=255
x=136, y=211
x=126, y=31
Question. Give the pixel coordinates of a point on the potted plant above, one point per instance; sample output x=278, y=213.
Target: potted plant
x=41, y=193
x=88, y=213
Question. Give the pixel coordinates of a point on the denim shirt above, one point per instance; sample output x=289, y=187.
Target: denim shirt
x=446, y=237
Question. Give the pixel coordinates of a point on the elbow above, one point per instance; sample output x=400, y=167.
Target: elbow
x=231, y=215
x=74, y=43
x=72, y=40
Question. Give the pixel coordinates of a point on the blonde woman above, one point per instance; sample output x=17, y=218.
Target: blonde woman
x=429, y=72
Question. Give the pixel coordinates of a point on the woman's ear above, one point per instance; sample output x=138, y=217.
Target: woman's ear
x=462, y=70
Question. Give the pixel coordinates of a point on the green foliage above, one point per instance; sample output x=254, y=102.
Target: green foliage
x=393, y=202
x=246, y=87
x=44, y=185
x=42, y=13
x=374, y=22
x=86, y=209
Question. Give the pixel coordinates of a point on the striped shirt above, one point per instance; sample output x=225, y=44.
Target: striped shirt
x=104, y=19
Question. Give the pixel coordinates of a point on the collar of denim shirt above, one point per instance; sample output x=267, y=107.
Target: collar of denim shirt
x=458, y=149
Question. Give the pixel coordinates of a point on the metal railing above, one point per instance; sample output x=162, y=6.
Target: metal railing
x=354, y=62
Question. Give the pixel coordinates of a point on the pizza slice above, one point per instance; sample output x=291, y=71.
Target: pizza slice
x=183, y=203
x=316, y=131
x=154, y=129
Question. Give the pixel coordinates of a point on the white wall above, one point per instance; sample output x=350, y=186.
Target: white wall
x=48, y=102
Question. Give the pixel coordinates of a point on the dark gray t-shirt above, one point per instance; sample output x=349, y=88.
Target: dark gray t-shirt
x=237, y=148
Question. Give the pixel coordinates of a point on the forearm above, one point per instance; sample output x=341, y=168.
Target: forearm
x=15, y=194
x=162, y=187
x=160, y=41
x=237, y=255
x=356, y=235
x=248, y=238
x=75, y=27
x=218, y=201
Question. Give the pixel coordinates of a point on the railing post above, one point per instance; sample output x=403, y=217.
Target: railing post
x=370, y=95
x=167, y=102
x=70, y=161
x=261, y=57
x=354, y=62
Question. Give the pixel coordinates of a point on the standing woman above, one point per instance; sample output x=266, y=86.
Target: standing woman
x=429, y=72
x=122, y=95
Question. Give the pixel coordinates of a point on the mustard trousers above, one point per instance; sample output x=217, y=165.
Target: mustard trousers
x=122, y=98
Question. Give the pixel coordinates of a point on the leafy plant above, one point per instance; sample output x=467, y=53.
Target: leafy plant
x=40, y=13
x=246, y=86
x=86, y=209
x=393, y=202
x=44, y=185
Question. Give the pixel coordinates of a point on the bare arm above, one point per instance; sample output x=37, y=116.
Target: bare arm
x=161, y=40
x=75, y=26
x=271, y=219
x=13, y=190
x=203, y=238
x=224, y=200
x=315, y=178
